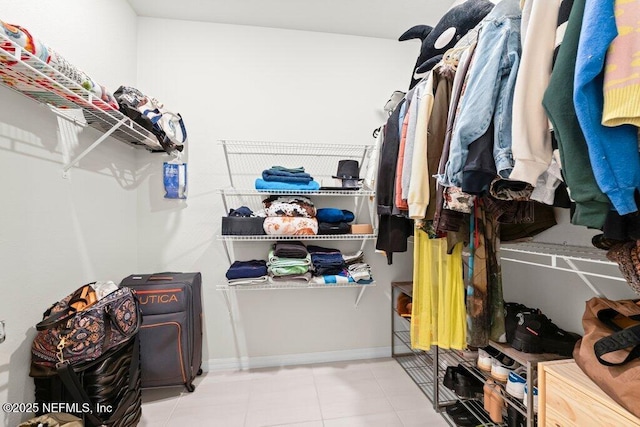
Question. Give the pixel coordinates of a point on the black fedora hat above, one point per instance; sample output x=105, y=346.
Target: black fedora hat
x=349, y=173
x=348, y=169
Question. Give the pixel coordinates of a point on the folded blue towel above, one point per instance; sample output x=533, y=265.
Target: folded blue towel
x=285, y=178
x=334, y=215
x=283, y=173
x=261, y=184
x=292, y=170
x=320, y=259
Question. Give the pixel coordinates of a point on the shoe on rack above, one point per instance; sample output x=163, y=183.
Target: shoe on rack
x=485, y=358
x=402, y=305
x=515, y=418
x=462, y=382
x=511, y=310
x=502, y=366
x=493, y=400
x=463, y=417
x=516, y=382
x=456, y=409
x=450, y=376
x=536, y=333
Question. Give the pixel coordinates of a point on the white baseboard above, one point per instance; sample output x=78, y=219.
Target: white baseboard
x=233, y=363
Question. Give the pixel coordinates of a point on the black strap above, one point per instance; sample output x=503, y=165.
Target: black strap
x=73, y=385
x=53, y=320
x=56, y=319
x=629, y=337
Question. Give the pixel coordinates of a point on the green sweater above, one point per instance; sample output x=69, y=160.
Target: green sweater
x=592, y=204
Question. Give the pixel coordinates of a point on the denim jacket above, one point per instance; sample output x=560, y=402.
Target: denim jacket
x=489, y=92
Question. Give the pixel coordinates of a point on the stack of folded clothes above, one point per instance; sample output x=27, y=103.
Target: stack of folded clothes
x=334, y=221
x=289, y=261
x=326, y=261
x=247, y=272
x=281, y=178
x=289, y=216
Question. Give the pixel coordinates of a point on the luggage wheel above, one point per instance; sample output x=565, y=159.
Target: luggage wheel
x=190, y=387
x=199, y=372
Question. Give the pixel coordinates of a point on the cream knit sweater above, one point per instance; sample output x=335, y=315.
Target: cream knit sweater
x=531, y=144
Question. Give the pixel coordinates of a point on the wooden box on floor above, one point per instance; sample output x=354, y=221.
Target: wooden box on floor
x=569, y=398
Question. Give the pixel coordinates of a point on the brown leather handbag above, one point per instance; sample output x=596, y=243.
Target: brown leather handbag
x=610, y=349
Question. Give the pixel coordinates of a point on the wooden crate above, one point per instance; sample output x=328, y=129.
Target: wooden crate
x=568, y=398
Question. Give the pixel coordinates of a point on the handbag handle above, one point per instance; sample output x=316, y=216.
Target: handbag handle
x=618, y=341
x=53, y=320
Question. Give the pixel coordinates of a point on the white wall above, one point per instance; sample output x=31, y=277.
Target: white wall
x=252, y=83
x=56, y=233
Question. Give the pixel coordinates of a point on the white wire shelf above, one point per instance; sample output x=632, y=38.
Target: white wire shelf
x=576, y=259
x=28, y=75
x=295, y=148
x=249, y=192
x=272, y=285
x=270, y=238
x=576, y=253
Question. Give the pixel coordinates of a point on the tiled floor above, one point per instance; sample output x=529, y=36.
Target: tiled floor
x=367, y=393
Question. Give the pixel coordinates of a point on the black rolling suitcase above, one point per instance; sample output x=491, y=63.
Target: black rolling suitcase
x=171, y=331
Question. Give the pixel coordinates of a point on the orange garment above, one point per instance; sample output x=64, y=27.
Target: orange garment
x=399, y=201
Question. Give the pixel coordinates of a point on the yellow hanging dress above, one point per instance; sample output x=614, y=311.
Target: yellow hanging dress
x=438, y=312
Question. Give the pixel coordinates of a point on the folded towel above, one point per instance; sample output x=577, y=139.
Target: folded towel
x=290, y=226
x=353, y=258
x=334, y=215
x=247, y=269
x=303, y=278
x=288, y=270
x=325, y=228
x=286, y=262
x=290, y=249
x=284, y=176
x=289, y=209
x=250, y=281
x=326, y=259
x=328, y=270
x=360, y=271
x=331, y=279
x=261, y=184
x=319, y=249
x=292, y=170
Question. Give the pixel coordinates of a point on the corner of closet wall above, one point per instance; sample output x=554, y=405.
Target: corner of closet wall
x=58, y=234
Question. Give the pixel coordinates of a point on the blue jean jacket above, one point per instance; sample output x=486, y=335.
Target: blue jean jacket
x=489, y=93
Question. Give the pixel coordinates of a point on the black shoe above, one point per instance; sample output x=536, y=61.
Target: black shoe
x=466, y=384
x=515, y=418
x=461, y=415
x=511, y=310
x=537, y=334
x=456, y=409
x=462, y=382
x=450, y=376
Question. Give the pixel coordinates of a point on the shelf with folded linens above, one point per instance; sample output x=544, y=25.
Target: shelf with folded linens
x=327, y=193
x=273, y=238
x=27, y=74
x=270, y=284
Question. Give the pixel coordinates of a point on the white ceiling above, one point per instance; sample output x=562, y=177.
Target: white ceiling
x=370, y=18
